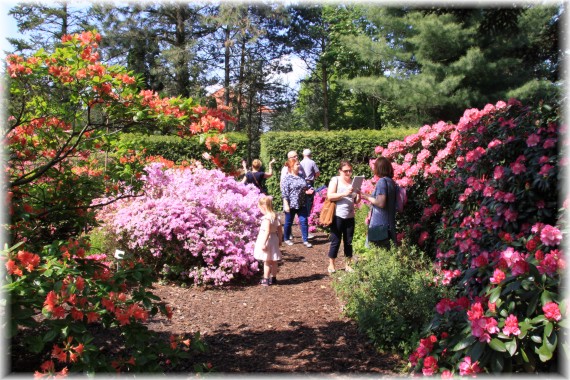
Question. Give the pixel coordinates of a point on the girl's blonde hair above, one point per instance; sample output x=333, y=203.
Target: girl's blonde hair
x=267, y=204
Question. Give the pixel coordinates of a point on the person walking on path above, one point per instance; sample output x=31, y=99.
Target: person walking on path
x=294, y=194
x=342, y=228
x=285, y=169
x=312, y=172
x=383, y=201
x=255, y=176
x=268, y=241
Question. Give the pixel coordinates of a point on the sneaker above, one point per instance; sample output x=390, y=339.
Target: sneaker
x=288, y=242
x=307, y=244
x=272, y=280
x=311, y=236
x=264, y=282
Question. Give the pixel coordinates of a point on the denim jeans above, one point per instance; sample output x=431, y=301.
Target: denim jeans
x=303, y=221
x=341, y=229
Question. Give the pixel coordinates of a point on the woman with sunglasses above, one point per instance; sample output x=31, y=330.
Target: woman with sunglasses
x=342, y=228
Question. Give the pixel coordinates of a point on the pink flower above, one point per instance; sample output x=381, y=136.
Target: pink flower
x=511, y=326
x=446, y=374
x=498, y=276
x=499, y=172
x=468, y=368
x=475, y=312
x=444, y=305
x=423, y=237
x=475, y=154
x=518, y=168
x=532, y=140
x=430, y=366
x=550, y=236
x=549, y=143
x=545, y=169
x=552, y=312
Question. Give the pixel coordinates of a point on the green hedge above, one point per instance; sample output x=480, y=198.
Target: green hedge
x=328, y=148
x=179, y=149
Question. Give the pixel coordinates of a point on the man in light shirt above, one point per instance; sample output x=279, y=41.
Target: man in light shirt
x=312, y=172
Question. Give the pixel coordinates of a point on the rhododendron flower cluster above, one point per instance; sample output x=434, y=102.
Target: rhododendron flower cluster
x=486, y=193
x=200, y=221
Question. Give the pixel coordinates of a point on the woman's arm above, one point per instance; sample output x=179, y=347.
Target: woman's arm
x=269, y=173
x=331, y=192
x=379, y=201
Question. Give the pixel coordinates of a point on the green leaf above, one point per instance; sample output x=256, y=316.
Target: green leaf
x=511, y=346
x=538, y=319
x=476, y=351
x=532, y=304
x=50, y=335
x=548, y=329
x=495, y=294
x=497, y=345
x=464, y=343
x=524, y=355
x=544, y=354
x=545, y=297
x=536, y=338
x=497, y=363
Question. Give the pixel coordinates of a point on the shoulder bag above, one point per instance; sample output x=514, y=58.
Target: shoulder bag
x=326, y=216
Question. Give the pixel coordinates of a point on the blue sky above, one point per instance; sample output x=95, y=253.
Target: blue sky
x=7, y=25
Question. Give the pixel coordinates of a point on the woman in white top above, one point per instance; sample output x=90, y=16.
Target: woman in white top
x=342, y=228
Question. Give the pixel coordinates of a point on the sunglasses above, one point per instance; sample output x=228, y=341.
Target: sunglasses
x=347, y=171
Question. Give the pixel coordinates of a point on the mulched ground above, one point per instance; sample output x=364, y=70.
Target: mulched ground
x=296, y=326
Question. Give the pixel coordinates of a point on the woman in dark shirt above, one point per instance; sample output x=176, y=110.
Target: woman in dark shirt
x=255, y=176
x=383, y=201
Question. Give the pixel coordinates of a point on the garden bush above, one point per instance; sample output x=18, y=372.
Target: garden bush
x=390, y=295
x=192, y=224
x=484, y=203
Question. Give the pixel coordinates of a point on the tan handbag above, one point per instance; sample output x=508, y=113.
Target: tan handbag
x=327, y=213
x=326, y=216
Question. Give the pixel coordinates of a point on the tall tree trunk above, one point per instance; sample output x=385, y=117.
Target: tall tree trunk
x=240, y=85
x=227, y=72
x=325, y=97
x=64, y=21
x=182, y=77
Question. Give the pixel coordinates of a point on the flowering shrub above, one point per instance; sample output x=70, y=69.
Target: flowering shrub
x=192, y=223
x=483, y=201
x=78, y=293
x=64, y=108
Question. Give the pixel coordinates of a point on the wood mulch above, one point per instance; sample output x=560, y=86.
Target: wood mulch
x=295, y=326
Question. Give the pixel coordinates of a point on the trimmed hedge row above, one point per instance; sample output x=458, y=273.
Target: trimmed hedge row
x=328, y=148
x=179, y=149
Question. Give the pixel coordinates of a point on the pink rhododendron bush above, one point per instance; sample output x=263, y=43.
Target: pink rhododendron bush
x=192, y=224
x=484, y=203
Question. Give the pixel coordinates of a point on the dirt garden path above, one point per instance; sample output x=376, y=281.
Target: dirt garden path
x=293, y=327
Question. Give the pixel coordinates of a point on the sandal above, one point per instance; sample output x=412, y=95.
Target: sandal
x=331, y=270
x=264, y=282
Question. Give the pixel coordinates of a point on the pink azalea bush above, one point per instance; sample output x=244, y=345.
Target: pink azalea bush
x=192, y=224
x=483, y=202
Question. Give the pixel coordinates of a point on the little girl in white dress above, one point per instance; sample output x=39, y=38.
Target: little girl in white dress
x=268, y=241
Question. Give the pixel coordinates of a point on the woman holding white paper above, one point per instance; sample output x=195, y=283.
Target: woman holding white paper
x=383, y=203
x=341, y=192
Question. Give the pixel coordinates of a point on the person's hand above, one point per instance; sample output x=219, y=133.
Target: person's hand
x=348, y=191
x=286, y=209
x=310, y=191
x=272, y=161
